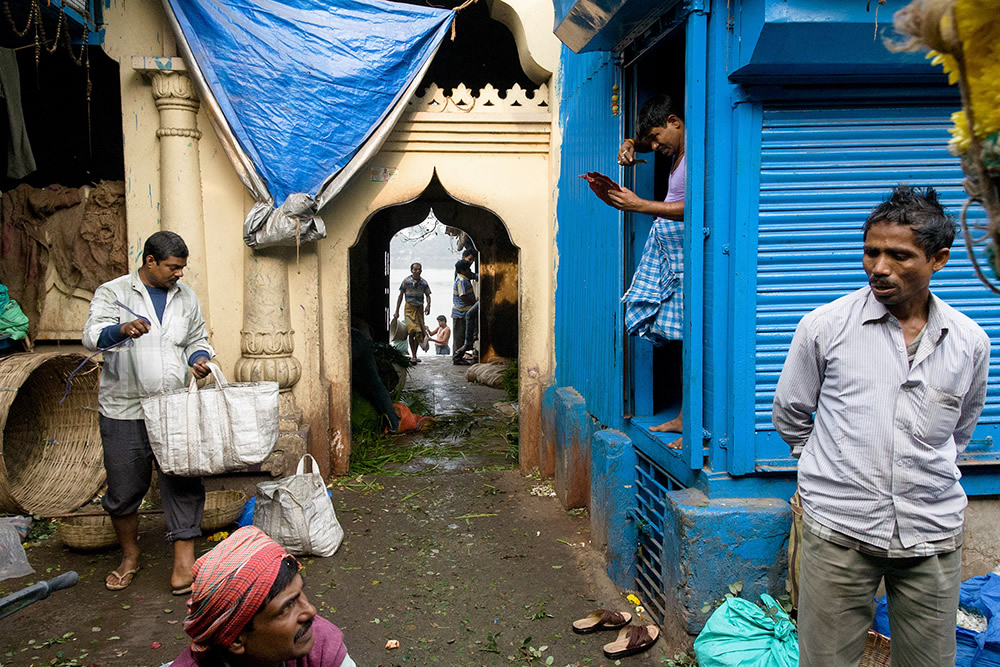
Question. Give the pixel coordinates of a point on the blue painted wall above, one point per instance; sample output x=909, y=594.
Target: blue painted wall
x=588, y=326
x=791, y=141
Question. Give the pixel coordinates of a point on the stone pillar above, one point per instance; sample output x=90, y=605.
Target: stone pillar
x=180, y=169
x=266, y=347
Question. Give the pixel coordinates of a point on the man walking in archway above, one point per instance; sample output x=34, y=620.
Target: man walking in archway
x=414, y=288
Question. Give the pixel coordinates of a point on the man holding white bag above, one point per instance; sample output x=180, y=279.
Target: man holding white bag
x=151, y=330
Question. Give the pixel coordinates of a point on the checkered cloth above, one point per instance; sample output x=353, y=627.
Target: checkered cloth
x=230, y=584
x=654, y=307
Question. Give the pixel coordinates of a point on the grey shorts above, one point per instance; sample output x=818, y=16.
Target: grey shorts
x=129, y=460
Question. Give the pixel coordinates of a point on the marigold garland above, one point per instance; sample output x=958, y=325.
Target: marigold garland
x=964, y=39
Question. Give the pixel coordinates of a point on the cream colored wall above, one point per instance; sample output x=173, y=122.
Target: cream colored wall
x=141, y=31
x=510, y=177
x=515, y=186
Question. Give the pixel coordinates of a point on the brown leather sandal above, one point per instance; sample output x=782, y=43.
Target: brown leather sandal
x=631, y=640
x=601, y=619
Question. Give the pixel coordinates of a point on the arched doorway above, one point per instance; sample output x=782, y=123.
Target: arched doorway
x=498, y=267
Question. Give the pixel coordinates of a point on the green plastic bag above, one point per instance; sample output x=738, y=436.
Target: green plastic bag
x=741, y=634
x=13, y=321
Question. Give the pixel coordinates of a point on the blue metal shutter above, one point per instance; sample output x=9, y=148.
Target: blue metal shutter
x=822, y=171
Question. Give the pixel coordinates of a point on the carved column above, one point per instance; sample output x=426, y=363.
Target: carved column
x=180, y=168
x=266, y=339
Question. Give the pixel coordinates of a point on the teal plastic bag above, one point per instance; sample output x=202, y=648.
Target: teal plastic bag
x=741, y=634
x=13, y=321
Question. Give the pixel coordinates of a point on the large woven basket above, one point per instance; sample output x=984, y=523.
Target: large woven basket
x=876, y=651
x=51, y=460
x=87, y=533
x=221, y=509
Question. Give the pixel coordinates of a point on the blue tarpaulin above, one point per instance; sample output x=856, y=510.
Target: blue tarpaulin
x=303, y=92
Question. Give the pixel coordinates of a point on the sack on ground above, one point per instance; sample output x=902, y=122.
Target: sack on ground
x=297, y=513
x=741, y=633
x=13, y=560
x=975, y=647
x=219, y=428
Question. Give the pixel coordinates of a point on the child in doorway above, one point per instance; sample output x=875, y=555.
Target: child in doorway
x=440, y=336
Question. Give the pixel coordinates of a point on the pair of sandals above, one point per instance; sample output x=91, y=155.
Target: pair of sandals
x=631, y=639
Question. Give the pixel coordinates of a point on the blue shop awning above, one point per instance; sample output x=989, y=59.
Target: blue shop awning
x=816, y=39
x=303, y=92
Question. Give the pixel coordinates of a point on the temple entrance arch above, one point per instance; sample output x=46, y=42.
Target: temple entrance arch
x=480, y=159
x=498, y=267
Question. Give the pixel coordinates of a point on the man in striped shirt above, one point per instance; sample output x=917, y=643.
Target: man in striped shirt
x=151, y=330
x=879, y=395
x=414, y=289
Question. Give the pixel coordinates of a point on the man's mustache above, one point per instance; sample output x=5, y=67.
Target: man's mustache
x=304, y=629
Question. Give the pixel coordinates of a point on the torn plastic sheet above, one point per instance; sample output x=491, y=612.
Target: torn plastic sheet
x=302, y=93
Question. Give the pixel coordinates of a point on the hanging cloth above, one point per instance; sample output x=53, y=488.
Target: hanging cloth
x=302, y=93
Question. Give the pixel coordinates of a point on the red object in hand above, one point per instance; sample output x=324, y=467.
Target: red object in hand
x=601, y=185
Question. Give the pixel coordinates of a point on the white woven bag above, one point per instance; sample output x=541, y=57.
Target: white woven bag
x=297, y=513
x=219, y=428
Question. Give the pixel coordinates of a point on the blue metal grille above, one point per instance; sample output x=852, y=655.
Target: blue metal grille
x=822, y=171
x=652, y=484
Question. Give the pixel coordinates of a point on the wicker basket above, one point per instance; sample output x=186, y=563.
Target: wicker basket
x=876, y=651
x=87, y=533
x=221, y=509
x=51, y=459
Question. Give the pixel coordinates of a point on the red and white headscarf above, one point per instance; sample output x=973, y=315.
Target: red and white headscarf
x=230, y=584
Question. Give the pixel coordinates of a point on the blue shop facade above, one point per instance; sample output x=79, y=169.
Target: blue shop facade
x=799, y=120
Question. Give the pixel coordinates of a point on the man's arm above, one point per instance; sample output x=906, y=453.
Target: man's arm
x=427, y=310
x=797, y=395
x=972, y=406
x=628, y=149
x=626, y=200
x=399, y=302
x=196, y=347
x=103, y=323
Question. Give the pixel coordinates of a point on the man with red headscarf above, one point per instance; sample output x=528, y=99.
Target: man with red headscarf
x=247, y=607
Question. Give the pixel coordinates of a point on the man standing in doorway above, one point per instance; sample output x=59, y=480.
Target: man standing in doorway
x=879, y=395
x=151, y=330
x=414, y=288
x=463, y=297
x=654, y=304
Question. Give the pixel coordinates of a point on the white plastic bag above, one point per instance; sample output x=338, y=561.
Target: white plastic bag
x=297, y=513
x=216, y=429
x=13, y=561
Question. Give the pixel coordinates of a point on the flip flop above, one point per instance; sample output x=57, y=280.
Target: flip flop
x=601, y=619
x=184, y=590
x=631, y=640
x=121, y=581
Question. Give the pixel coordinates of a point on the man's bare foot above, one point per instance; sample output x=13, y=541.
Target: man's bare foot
x=182, y=575
x=127, y=532
x=122, y=576
x=675, y=425
x=676, y=444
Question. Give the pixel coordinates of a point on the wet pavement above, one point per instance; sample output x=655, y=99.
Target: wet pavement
x=452, y=552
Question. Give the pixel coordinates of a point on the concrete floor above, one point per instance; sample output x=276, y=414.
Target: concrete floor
x=455, y=554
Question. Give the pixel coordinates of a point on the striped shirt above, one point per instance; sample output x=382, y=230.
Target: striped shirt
x=414, y=290
x=153, y=363
x=878, y=459
x=461, y=288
